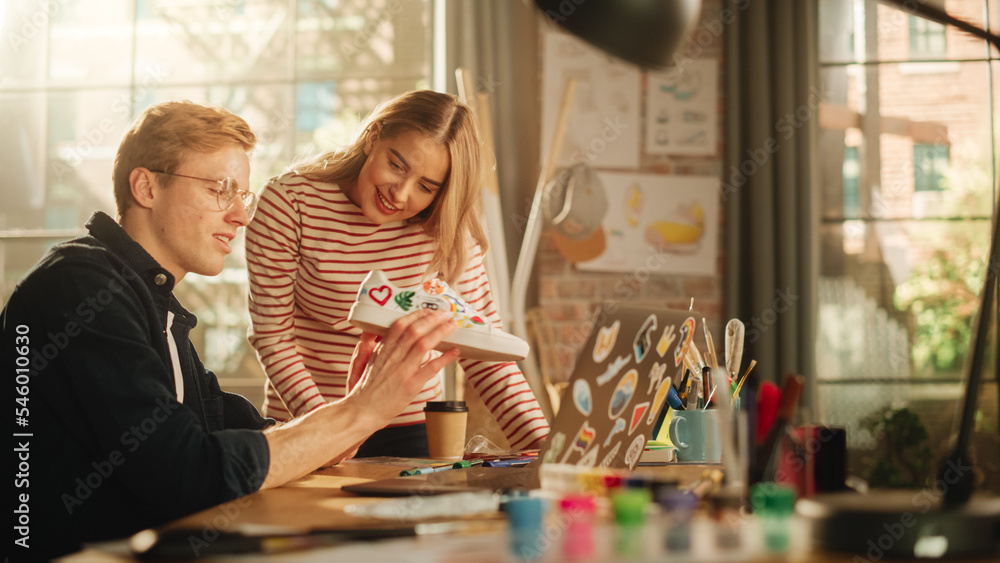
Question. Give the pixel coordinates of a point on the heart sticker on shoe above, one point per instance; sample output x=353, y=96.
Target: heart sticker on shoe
x=380, y=295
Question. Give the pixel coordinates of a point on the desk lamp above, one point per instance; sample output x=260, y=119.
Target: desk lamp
x=925, y=524
x=643, y=32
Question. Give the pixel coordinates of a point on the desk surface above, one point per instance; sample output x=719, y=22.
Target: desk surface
x=316, y=502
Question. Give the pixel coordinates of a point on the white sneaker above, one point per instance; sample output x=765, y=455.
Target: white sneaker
x=380, y=303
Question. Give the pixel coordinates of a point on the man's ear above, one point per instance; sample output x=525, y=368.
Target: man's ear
x=142, y=183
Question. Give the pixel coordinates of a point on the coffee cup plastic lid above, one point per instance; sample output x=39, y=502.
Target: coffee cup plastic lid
x=446, y=406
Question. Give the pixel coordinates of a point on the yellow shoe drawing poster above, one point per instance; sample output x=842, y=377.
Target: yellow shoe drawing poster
x=658, y=224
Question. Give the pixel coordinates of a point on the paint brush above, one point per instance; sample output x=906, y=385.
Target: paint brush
x=696, y=356
x=710, y=343
x=689, y=364
x=744, y=378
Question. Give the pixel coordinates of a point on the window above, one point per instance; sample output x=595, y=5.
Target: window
x=76, y=72
x=927, y=39
x=906, y=226
x=314, y=102
x=930, y=166
x=851, y=171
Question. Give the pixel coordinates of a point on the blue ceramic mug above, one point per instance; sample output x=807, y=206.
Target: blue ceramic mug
x=695, y=435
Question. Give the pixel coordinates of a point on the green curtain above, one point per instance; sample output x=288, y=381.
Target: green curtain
x=771, y=219
x=497, y=42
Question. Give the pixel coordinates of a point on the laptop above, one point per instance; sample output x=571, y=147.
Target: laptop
x=609, y=410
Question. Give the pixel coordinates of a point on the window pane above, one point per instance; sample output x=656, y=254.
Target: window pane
x=843, y=36
x=904, y=305
x=23, y=26
x=917, y=106
x=383, y=38
x=837, y=26
x=22, y=156
x=66, y=42
x=90, y=42
x=215, y=41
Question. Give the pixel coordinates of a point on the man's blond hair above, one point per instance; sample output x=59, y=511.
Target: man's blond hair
x=166, y=133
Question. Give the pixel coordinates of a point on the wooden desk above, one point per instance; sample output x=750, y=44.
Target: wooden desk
x=316, y=502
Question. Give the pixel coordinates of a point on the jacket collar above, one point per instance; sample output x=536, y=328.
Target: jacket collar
x=160, y=281
x=105, y=229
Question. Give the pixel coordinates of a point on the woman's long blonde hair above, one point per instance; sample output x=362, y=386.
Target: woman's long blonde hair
x=452, y=218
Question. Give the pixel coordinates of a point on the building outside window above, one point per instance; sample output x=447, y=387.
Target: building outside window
x=904, y=242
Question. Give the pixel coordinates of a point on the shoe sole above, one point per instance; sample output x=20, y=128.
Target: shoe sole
x=472, y=344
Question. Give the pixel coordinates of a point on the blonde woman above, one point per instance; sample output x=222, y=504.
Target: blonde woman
x=400, y=199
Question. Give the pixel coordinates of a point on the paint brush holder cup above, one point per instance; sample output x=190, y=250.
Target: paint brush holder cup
x=695, y=435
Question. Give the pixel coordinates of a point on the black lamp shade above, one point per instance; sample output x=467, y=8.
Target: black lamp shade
x=642, y=32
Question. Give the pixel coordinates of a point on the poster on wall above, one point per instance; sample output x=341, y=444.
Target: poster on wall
x=603, y=128
x=664, y=224
x=682, y=109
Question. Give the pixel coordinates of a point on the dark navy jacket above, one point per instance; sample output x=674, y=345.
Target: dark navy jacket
x=110, y=449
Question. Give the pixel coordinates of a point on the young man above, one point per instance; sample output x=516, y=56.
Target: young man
x=124, y=428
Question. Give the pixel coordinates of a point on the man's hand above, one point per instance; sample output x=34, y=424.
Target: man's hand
x=387, y=374
x=383, y=379
x=359, y=360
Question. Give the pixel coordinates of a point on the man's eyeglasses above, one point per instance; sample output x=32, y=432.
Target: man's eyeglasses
x=226, y=192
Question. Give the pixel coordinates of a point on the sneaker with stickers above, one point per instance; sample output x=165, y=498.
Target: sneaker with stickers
x=380, y=303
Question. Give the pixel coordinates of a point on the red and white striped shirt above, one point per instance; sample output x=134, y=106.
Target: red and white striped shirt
x=308, y=250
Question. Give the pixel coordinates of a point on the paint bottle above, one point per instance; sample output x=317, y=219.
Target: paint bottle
x=629, y=506
x=525, y=515
x=577, y=512
x=726, y=518
x=677, y=510
x=773, y=506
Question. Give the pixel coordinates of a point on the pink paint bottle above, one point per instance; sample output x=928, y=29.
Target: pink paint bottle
x=577, y=511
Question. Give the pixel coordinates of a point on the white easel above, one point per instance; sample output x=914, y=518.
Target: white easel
x=512, y=306
x=529, y=248
x=491, y=213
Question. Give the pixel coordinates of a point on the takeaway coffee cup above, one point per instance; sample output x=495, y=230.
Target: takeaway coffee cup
x=695, y=434
x=446, y=422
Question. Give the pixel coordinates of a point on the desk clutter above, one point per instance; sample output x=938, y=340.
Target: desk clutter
x=703, y=463
x=661, y=450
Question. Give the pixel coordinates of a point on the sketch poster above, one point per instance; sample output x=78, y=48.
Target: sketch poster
x=604, y=127
x=682, y=109
x=665, y=224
